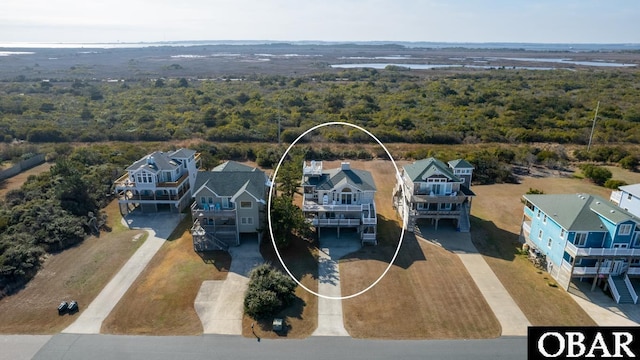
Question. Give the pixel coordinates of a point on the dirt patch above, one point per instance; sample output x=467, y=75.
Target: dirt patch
x=160, y=301
x=496, y=220
x=78, y=273
x=16, y=182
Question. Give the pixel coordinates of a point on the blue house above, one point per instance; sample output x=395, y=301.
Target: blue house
x=582, y=236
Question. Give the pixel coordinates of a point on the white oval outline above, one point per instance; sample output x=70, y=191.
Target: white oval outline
x=273, y=240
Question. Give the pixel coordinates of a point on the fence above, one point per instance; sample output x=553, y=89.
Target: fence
x=22, y=166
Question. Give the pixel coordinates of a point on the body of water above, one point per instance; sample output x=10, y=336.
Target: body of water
x=436, y=66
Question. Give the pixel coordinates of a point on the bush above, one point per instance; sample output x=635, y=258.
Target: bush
x=614, y=184
x=597, y=174
x=269, y=291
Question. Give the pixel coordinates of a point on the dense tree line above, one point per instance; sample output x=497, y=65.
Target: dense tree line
x=515, y=106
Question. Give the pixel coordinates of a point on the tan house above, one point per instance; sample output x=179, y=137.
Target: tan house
x=229, y=202
x=340, y=198
x=435, y=190
x=158, y=181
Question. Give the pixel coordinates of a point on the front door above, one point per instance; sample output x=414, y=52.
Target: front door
x=346, y=199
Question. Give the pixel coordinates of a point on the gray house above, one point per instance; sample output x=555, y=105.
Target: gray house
x=340, y=198
x=229, y=202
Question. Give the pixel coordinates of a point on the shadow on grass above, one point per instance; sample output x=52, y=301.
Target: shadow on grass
x=493, y=241
x=220, y=259
x=300, y=257
x=388, y=237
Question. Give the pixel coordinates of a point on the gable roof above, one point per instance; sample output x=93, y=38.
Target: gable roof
x=460, y=164
x=182, y=153
x=421, y=169
x=579, y=212
x=155, y=162
x=233, y=166
x=329, y=179
x=231, y=183
x=633, y=189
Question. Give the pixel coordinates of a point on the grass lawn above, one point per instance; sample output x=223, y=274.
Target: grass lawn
x=301, y=317
x=427, y=294
x=78, y=273
x=160, y=301
x=496, y=219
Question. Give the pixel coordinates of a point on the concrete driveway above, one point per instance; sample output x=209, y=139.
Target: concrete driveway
x=220, y=303
x=330, y=317
x=159, y=227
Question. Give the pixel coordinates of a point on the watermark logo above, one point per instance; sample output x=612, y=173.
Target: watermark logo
x=591, y=342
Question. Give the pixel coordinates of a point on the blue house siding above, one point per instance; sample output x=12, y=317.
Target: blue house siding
x=550, y=231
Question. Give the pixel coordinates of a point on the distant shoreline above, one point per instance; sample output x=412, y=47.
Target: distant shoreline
x=577, y=47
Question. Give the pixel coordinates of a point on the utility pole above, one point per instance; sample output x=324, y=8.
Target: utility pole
x=593, y=127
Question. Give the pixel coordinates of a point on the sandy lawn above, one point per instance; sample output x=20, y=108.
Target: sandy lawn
x=160, y=301
x=78, y=273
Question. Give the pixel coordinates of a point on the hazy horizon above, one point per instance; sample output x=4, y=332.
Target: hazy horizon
x=448, y=21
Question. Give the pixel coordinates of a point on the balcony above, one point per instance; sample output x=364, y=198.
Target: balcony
x=433, y=199
x=600, y=252
x=334, y=222
x=616, y=197
x=591, y=270
x=211, y=211
x=309, y=206
x=633, y=270
x=313, y=169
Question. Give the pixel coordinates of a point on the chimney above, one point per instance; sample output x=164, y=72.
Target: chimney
x=345, y=166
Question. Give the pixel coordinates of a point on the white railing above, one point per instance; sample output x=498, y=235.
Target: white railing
x=614, y=290
x=314, y=206
x=369, y=221
x=526, y=228
x=577, y=251
x=314, y=168
x=633, y=270
x=616, y=197
x=335, y=222
x=368, y=237
x=565, y=265
x=632, y=291
x=591, y=270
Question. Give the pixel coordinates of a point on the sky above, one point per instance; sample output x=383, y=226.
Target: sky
x=530, y=21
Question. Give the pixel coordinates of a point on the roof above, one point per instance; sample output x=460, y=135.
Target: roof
x=425, y=168
x=329, y=179
x=230, y=183
x=182, y=153
x=633, y=189
x=233, y=166
x=460, y=164
x=579, y=212
x=155, y=162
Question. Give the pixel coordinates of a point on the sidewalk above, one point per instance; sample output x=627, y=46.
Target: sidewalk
x=511, y=318
x=159, y=227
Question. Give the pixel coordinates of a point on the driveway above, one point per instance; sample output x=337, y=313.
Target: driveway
x=159, y=227
x=603, y=309
x=220, y=303
x=330, y=318
x=511, y=318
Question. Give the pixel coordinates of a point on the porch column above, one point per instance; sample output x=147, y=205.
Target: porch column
x=595, y=279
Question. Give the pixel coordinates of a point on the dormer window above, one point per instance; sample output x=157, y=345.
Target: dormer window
x=625, y=229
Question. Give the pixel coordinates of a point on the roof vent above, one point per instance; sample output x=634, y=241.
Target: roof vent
x=598, y=202
x=612, y=211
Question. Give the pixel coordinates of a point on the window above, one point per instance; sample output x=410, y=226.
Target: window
x=246, y=204
x=246, y=221
x=540, y=234
x=562, y=233
x=549, y=242
x=636, y=239
x=628, y=196
x=462, y=180
x=625, y=229
x=538, y=214
x=581, y=239
x=544, y=219
x=225, y=203
x=203, y=200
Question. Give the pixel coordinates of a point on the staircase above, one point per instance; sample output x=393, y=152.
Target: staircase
x=463, y=223
x=625, y=295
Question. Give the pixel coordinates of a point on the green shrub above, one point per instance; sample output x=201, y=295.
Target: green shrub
x=269, y=291
x=614, y=184
x=597, y=174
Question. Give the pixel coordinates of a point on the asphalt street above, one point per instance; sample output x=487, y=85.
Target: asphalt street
x=112, y=347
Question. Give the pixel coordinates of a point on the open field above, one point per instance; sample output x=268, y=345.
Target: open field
x=78, y=273
x=15, y=182
x=160, y=301
x=496, y=218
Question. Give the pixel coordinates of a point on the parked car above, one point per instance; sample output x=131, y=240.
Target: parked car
x=73, y=307
x=63, y=308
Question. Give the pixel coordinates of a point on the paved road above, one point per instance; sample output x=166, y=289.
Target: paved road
x=21, y=347
x=109, y=347
x=159, y=227
x=511, y=318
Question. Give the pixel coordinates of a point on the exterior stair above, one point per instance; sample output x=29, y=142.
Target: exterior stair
x=625, y=295
x=464, y=224
x=219, y=243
